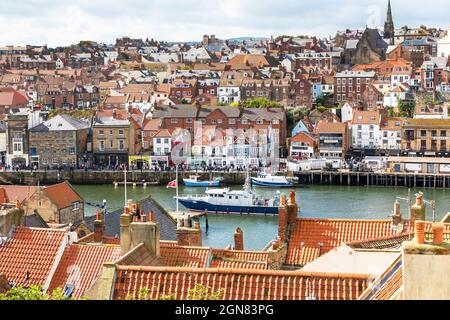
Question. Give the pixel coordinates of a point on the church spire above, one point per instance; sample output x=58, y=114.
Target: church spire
x=389, y=24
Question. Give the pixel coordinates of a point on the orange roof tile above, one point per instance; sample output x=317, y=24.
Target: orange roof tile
x=238, y=284
x=308, y=233
x=232, y=259
x=62, y=194
x=27, y=259
x=192, y=257
x=80, y=266
x=18, y=193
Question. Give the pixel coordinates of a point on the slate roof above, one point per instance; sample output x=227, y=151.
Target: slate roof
x=61, y=123
x=112, y=220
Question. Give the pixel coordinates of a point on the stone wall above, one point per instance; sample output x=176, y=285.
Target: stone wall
x=106, y=177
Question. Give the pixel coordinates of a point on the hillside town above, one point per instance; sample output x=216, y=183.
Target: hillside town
x=362, y=93
x=364, y=100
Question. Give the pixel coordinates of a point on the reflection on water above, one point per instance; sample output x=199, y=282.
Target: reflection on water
x=344, y=202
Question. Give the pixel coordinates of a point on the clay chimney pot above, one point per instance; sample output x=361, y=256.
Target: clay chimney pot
x=420, y=231
x=438, y=233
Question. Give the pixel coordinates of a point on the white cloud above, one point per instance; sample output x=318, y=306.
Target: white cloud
x=56, y=22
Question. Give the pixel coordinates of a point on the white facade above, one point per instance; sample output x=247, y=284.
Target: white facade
x=391, y=139
x=229, y=94
x=366, y=136
x=162, y=145
x=346, y=113
x=443, y=46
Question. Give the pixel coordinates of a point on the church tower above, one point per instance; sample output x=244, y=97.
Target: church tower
x=389, y=25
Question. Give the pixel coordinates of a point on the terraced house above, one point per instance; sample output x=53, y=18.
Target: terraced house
x=58, y=142
x=429, y=137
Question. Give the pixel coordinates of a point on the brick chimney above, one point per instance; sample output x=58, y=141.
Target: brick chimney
x=238, y=240
x=99, y=227
x=188, y=236
x=282, y=219
x=146, y=232
x=292, y=209
x=125, y=236
x=418, y=209
x=397, y=215
x=10, y=218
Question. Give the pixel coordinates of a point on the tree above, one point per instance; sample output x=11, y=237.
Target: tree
x=32, y=293
x=199, y=292
x=406, y=108
x=260, y=103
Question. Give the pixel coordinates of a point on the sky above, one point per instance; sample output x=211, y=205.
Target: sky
x=65, y=22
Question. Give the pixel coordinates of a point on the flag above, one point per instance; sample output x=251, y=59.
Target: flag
x=172, y=185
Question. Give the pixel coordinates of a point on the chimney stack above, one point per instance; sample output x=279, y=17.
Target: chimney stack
x=397, y=215
x=282, y=219
x=188, y=236
x=292, y=209
x=99, y=227
x=125, y=236
x=418, y=209
x=146, y=232
x=238, y=240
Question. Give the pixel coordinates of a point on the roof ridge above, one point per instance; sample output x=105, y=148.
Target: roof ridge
x=244, y=272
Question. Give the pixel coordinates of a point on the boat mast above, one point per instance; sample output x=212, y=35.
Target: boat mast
x=125, y=182
x=176, y=172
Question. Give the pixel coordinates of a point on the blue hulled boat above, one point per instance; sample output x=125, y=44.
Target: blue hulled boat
x=227, y=201
x=193, y=181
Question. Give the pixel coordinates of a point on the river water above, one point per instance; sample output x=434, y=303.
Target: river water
x=343, y=202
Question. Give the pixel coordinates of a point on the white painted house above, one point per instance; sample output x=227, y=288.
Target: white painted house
x=366, y=130
x=443, y=46
x=229, y=91
x=162, y=143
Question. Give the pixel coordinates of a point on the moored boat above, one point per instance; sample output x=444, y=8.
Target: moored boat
x=227, y=201
x=194, y=181
x=270, y=181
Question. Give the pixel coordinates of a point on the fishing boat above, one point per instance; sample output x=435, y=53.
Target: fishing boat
x=194, y=181
x=227, y=201
x=270, y=181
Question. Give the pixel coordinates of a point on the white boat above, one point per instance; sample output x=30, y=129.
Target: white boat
x=227, y=201
x=268, y=180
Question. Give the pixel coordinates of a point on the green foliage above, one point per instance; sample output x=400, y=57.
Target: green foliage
x=78, y=114
x=32, y=293
x=221, y=104
x=199, y=292
x=260, y=103
x=406, y=109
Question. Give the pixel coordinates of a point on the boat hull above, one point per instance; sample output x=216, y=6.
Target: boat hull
x=204, y=184
x=266, y=184
x=202, y=206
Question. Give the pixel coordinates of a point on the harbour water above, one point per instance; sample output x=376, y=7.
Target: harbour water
x=342, y=202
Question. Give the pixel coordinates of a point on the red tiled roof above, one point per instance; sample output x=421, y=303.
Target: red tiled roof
x=231, y=259
x=389, y=289
x=80, y=266
x=238, y=284
x=33, y=251
x=62, y=194
x=189, y=257
x=18, y=193
x=331, y=233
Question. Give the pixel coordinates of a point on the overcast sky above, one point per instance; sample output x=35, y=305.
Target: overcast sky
x=63, y=22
